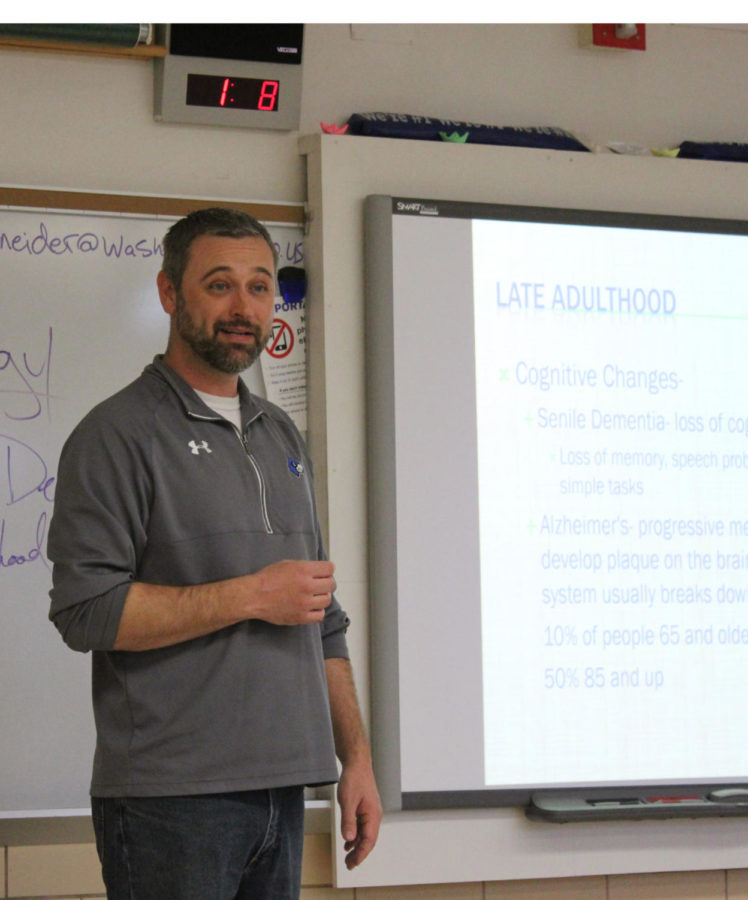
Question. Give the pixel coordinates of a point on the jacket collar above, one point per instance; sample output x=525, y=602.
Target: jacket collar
x=192, y=404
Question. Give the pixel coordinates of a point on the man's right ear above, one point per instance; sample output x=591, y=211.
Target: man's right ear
x=166, y=292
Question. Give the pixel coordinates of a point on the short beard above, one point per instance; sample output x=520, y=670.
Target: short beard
x=224, y=357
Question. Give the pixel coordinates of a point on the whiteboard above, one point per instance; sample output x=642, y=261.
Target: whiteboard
x=80, y=319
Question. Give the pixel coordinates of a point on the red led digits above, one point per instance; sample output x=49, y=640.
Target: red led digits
x=224, y=91
x=268, y=95
x=227, y=92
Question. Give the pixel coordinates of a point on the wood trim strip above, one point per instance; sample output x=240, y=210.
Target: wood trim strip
x=284, y=214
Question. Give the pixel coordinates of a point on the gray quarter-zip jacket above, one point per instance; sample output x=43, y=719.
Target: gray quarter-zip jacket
x=153, y=486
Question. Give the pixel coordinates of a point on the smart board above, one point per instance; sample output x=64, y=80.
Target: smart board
x=558, y=448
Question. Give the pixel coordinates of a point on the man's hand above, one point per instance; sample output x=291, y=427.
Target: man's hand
x=360, y=807
x=292, y=592
x=360, y=811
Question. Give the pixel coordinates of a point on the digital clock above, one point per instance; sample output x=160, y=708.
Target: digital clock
x=232, y=92
x=260, y=90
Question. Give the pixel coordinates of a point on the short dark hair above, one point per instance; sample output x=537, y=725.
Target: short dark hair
x=216, y=220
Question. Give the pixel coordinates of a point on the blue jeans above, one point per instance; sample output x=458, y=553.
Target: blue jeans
x=239, y=846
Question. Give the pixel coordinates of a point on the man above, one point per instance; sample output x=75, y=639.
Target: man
x=187, y=556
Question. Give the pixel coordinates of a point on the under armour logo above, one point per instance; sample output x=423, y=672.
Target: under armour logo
x=196, y=448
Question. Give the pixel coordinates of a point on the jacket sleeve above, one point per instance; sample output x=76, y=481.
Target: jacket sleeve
x=335, y=623
x=334, y=626
x=97, y=532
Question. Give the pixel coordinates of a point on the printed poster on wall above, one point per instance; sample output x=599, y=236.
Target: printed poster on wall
x=284, y=358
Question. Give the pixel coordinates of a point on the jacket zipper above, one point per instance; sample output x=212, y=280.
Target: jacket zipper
x=260, y=481
x=253, y=463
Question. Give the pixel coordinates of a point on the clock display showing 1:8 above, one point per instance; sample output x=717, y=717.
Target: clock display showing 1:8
x=232, y=93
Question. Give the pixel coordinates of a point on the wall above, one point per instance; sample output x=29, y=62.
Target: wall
x=86, y=123
x=83, y=122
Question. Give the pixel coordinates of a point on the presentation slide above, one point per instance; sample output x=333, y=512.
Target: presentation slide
x=558, y=460
x=612, y=443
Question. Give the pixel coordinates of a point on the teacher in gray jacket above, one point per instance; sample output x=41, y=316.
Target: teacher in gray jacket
x=188, y=558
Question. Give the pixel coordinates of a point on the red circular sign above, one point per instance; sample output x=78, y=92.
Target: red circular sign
x=281, y=339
